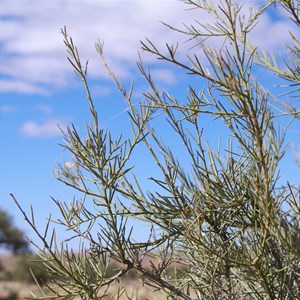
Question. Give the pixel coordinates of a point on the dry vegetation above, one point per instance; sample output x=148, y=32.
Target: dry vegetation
x=223, y=211
x=135, y=289
x=10, y=289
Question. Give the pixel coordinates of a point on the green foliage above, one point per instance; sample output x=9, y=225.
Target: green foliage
x=4, y=275
x=227, y=220
x=11, y=237
x=30, y=268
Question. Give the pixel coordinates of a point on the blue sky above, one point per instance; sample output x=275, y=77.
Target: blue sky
x=38, y=88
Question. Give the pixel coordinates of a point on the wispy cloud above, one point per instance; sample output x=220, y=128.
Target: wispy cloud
x=21, y=86
x=32, y=43
x=7, y=108
x=44, y=109
x=33, y=55
x=47, y=129
x=164, y=76
x=100, y=90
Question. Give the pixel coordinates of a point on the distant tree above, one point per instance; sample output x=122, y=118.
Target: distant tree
x=228, y=218
x=28, y=264
x=11, y=237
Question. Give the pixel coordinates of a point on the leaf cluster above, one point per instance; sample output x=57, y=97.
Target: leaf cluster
x=227, y=222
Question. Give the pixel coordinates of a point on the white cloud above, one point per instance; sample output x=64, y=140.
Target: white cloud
x=6, y=109
x=100, y=90
x=49, y=128
x=23, y=87
x=163, y=75
x=36, y=69
x=43, y=108
x=33, y=56
x=32, y=43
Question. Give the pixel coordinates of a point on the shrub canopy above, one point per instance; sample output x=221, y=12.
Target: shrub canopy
x=226, y=220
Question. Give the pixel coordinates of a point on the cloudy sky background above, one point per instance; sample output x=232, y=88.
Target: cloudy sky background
x=38, y=88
